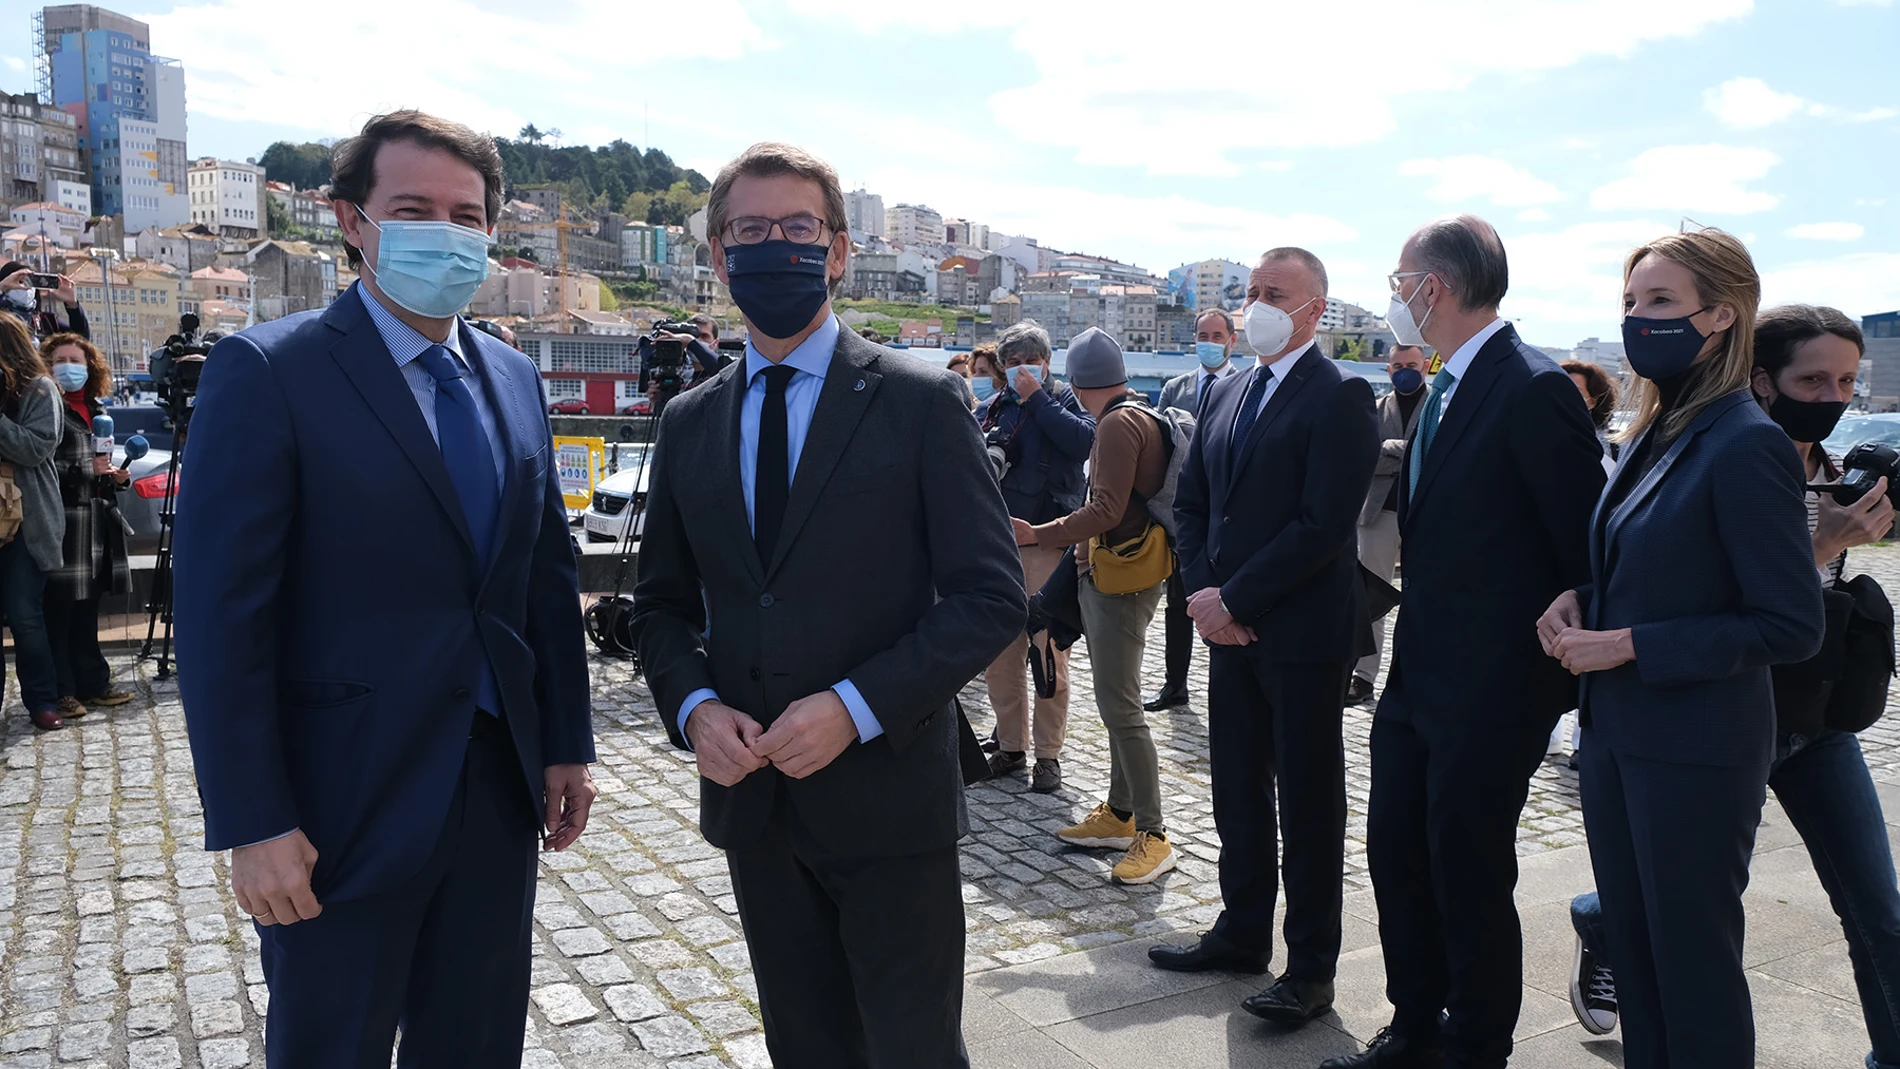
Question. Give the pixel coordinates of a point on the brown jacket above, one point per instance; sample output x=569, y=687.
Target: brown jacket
x=1128, y=455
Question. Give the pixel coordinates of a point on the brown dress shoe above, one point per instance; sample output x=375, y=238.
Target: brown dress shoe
x=47, y=720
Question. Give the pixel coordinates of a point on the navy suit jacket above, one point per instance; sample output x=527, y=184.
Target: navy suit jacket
x=1498, y=528
x=1277, y=529
x=332, y=617
x=1708, y=561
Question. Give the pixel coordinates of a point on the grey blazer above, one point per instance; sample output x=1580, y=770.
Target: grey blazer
x=1178, y=392
x=1396, y=433
x=895, y=568
x=28, y=441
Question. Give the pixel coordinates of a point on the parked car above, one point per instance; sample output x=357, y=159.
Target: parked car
x=148, y=420
x=1882, y=427
x=568, y=406
x=142, y=501
x=619, y=501
x=641, y=407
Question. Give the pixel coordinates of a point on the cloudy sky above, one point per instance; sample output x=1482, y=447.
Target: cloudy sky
x=1163, y=133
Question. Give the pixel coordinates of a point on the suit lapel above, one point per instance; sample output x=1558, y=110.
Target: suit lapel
x=1479, y=378
x=722, y=458
x=1296, y=379
x=842, y=401
x=366, y=361
x=1653, y=477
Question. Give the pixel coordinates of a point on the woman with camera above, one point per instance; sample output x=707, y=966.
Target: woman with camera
x=1701, y=579
x=1806, y=361
x=20, y=292
x=95, y=560
x=1044, y=436
x=30, y=428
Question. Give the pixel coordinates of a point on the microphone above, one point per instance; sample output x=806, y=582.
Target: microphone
x=136, y=447
x=102, y=435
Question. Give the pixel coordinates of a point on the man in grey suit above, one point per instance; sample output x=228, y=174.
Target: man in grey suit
x=826, y=562
x=1213, y=346
x=1379, y=520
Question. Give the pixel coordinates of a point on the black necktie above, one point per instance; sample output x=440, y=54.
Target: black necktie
x=1249, y=411
x=772, y=478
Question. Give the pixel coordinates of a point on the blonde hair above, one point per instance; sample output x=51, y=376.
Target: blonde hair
x=1724, y=274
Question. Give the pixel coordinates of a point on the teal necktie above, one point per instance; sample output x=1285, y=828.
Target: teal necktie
x=1428, y=423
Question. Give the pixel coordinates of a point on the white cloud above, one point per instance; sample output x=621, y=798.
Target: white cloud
x=1873, y=115
x=1748, y=104
x=1691, y=178
x=1533, y=215
x=14, y=64
x=1571, y=280
x=1859, y=283
x=1464, y=177
x=1828, y=231
x=1095, y=88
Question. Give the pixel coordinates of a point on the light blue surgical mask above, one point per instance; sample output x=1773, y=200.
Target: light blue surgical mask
x=1211, y=354
x=71, y=376
x=984, y=388
x=430, y=267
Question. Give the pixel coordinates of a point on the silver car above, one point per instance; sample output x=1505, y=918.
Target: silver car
x=619, y=502
x=142, y=501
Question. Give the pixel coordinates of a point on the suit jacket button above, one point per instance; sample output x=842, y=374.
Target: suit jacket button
x=766, y=601
x=1226, y=519
x=754, y=673
x=461, y=694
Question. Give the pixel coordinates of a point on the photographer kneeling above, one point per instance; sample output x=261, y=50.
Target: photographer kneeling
x=1806, y=361
x=1045, y=436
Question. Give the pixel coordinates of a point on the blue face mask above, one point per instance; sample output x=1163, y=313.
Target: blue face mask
x=984, y=388
x=778, y=285
x=71, y=377
x=1211, y=354
x=1407, y=380
x=431, y=268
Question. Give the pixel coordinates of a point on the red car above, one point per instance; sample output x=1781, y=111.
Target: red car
x=637, y=408
x=568, y=406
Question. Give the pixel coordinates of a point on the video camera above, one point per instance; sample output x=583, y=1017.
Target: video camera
x=663, y=359
x=1864, y=465
x=176, y=366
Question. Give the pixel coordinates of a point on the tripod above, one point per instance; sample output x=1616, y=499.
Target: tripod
x=610, y=620
x=159, y=605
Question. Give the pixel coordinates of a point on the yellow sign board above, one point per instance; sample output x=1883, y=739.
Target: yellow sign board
x=580, y=464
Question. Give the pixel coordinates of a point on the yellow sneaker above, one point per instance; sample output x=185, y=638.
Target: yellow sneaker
x=1147, y=858
x=1100, y=828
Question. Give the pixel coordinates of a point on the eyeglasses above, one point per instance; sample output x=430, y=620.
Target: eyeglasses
x=802, y=228
x=1397, y=278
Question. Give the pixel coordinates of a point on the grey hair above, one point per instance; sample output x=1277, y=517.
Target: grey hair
x=1465, y=253
x=1027, y=340
x=1303, y=258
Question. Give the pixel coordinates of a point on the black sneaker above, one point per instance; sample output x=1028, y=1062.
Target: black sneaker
x=1046, y=776
x=1592, y=992
x=1002, y=762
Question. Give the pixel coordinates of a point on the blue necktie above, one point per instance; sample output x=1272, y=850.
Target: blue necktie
x=1428, y=423
x=471, y=462
x=1249, y=412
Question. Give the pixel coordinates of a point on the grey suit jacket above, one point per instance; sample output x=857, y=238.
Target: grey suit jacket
x=1178, y=392
x=895, y=568
x=1396, y=432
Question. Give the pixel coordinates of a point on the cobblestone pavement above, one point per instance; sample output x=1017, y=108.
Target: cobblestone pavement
x=120, y=945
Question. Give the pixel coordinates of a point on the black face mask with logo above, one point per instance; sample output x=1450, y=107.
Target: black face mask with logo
x=1660, y=349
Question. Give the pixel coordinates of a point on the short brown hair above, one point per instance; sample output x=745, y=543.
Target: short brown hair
x=353, y=161
x=769, y=158
x=99, y=378
x=1600, y=387
x=20, y=363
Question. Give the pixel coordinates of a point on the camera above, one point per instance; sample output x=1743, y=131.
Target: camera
x=663, y=359
x=176, y=366
x=1864, y=465
x=43, y=281
x=997, y=443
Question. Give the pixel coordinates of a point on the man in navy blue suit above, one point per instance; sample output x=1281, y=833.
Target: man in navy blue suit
x=1495, y=495
x=382, y=660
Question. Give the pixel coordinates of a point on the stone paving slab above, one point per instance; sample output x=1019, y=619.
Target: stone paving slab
x=121, y=947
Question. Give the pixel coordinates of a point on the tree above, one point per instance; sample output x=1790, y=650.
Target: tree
x=636, y=206
x=277, y=220
x=531, y=135
x=1353, y=349
x=608, y=302
x=305, y=165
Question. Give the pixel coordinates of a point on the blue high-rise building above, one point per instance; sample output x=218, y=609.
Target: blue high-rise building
x=129, y=107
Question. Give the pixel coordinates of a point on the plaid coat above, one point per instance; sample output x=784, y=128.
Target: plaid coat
x=94, y=548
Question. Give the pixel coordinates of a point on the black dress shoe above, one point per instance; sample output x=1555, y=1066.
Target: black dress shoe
x=1358, y=691
x=1167, y=699
x=1390, y=1051
x=1291, y=1001
x=1212, y=952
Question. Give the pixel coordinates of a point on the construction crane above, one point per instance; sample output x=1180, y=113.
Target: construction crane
x=560, y=226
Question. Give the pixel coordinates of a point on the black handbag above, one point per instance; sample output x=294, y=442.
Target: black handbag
x=1859, y=694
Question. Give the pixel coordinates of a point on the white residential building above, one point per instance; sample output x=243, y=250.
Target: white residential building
x=228, y=196
x=864, y=214
x=913, y=224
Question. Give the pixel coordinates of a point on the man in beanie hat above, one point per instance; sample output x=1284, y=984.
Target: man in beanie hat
x=1127, y=465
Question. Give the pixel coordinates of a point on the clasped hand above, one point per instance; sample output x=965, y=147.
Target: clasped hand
x=1560, y=631
x=807, y=736
x=1214, y=622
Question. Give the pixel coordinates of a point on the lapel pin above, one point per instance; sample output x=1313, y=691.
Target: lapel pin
x=859, y=387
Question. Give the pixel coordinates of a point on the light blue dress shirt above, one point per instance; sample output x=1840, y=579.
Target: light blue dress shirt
x=812, y=360
x=406, y=344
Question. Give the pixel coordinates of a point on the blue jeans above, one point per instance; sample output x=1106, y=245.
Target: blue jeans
x=23, y=592
x=1822, y=783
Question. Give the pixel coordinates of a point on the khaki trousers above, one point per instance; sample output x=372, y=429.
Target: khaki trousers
x=1008, y=677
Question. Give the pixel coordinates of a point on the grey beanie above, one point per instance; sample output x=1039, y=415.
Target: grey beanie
x=1095, y=361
